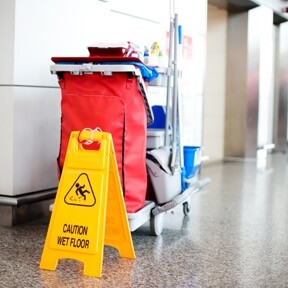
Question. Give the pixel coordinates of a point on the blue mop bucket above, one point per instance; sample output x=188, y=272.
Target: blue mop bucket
x=192, y=160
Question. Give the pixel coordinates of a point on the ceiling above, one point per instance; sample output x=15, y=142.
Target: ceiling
x=244, y=5
x=234, y=5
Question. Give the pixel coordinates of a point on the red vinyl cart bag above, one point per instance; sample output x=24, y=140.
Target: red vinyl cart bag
x=114, y=102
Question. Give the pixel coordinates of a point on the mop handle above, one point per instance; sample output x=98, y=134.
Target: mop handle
x=175, y=96
x=169, y=75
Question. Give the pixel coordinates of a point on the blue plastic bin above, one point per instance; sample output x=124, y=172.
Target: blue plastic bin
x=192, y=160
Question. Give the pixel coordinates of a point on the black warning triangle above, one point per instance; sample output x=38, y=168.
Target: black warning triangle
x=81, y=192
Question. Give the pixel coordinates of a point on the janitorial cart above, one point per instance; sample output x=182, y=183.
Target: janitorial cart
x=107, y=91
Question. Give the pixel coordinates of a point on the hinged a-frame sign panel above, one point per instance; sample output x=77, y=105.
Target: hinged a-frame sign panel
x=89, y=209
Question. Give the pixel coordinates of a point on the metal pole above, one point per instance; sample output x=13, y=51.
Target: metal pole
x=169, y=81
x=175, y=96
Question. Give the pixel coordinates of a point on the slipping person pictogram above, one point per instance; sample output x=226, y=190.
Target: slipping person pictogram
x=80, y=191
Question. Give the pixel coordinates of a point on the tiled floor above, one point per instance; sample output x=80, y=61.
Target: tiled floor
x=236, y=235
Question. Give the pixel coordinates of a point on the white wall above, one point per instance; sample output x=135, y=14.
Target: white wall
x=6, y=93
x=266, y=78
x=194, y=73
x=215, y=88
x=66, y=27
x=36, y=30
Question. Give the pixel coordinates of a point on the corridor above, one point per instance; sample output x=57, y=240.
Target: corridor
x=236, y=235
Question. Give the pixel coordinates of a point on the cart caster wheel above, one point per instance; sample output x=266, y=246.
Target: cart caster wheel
x=156, y=224
x=186, y=208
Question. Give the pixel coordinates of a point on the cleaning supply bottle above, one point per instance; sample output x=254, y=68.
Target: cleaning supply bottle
x=146, y=55
x=154, y=52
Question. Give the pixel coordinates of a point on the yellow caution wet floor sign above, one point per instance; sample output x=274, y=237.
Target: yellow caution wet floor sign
x=89, y=210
